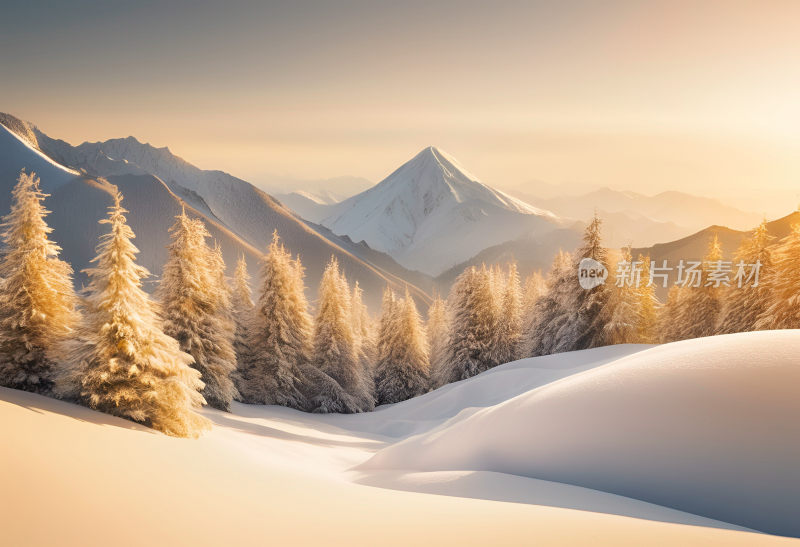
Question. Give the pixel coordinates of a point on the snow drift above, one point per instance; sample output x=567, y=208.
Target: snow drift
x=708, y=426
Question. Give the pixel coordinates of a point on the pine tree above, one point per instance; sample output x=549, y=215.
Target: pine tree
x=743, y=305
x=360, y=321
x=473, y=327
x=648, y=305
x=401, y=371
x=242, y=306
x=334, y=350
x=498, y=350
x=589, y=317
x=621, y=314
x=222, y=300
x=37, y=302
x=783, y=311
x=388, y=324
x=555, y=326
x=437, y=327
x=669, y=317
x=365, y=392
x=699, y=308
x=510, y=318
x=195, y=307
x=365, y=343
x=121, y=362
x=279, y=333
x=534, y=290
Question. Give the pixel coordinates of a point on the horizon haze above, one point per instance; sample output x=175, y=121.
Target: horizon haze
x=655, y=97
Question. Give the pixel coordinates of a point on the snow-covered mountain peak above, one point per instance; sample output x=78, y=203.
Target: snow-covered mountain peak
x=414, y=211
x=433, y=174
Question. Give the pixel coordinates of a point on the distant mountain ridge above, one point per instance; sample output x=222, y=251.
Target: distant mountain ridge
x=636, y=218
x=311, y=207
x=694, y=247
x=241, y=216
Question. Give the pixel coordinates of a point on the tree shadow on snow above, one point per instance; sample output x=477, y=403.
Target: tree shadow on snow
x=230, y=421
x=41, y=404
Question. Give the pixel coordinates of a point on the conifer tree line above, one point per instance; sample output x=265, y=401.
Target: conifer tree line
x=205, y=339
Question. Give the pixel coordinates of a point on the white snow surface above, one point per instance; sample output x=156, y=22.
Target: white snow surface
x=431, y=214
x=551, y=450
x=708, y=426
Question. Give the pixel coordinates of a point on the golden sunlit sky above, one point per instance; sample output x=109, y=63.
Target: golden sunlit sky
x=701, y=97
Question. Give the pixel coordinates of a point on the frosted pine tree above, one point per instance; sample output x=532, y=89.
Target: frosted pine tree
x=589, y=321
x=648, y=305
x=534, y=289
x=365, y=392
x=401, y=371
x=554, y=327
x=699, y=308
x=224, y=317
x=222, y=294
x=388, y=324
x=121, y=362
x=437, y=328
x=365, y=342
x=334, y=350
x=359, y=319
x=473, y=326
x=510, y=318
x=783, y=311
x=37, y=302
x=242, y=306
x=743, y=305
x=195, y=307
x=621, y=314
x=497, y=285
x=669, y=324
x=279, y=334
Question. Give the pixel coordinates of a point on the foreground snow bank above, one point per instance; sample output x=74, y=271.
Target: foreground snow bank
x=271, y=475
x=708, y=426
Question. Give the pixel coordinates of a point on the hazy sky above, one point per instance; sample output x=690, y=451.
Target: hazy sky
x=696, y=96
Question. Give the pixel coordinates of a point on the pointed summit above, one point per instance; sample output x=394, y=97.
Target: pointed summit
x=413, y=211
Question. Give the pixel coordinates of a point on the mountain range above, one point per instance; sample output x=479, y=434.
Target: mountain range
x=156, y=184
x=419, y=227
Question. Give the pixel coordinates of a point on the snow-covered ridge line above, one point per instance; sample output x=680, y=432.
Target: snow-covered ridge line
x=39, y=153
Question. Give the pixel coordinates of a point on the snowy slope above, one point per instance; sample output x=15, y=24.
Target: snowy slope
x=708, y=426
x=431, y=214
x=235, y=206
x=77, y=203
x=13, y=148
x=272, y=474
